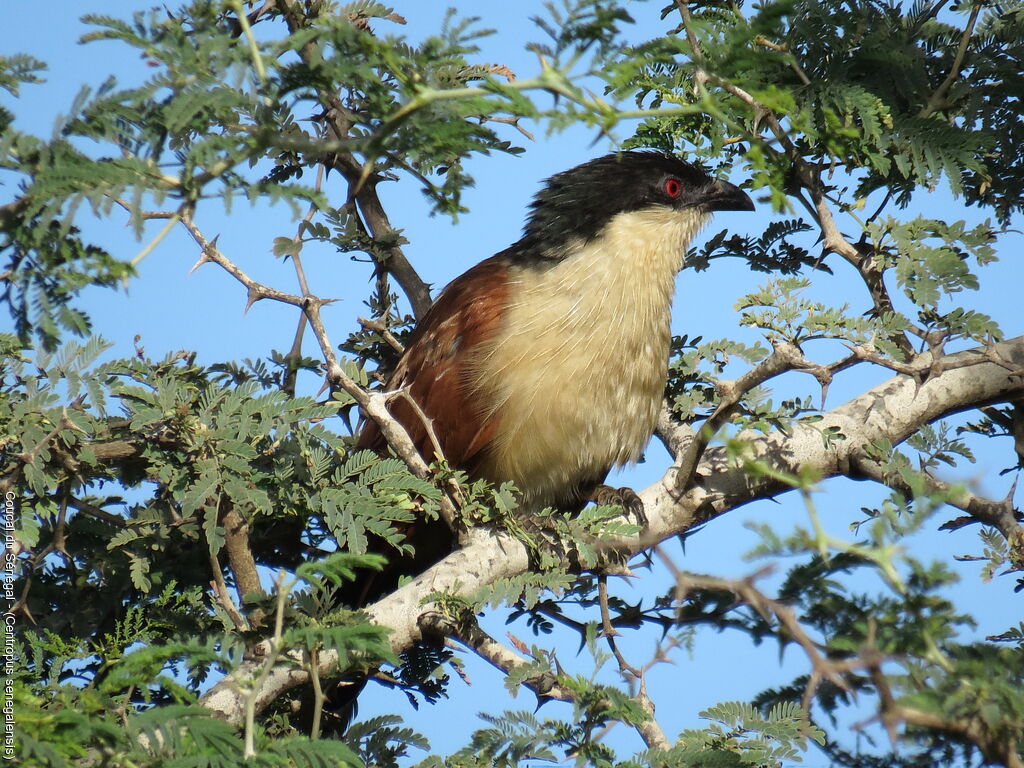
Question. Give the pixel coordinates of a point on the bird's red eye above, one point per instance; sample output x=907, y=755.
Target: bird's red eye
x=673, y=187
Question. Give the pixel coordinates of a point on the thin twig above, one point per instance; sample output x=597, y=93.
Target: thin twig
x=997, y=746
x=934, y=101
x=513, y=121
x=785, y=357
x=384, y=331
x=745, y=591
x=610, y=633
x=146, y=215
x=220, y=590
x=156, y=240
x=794, y=65
x=254, y=48
x=808, y=176
x=250, y=693
x=295, y=353
x=469, y=633
x=691, y=37
x=1001, y=515
x=318, y=692
x=649, y=729
x=374, y=404
x=427, y=422
x=256, y=290
x=96, y=512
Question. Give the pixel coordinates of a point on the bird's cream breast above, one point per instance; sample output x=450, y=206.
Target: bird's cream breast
x=578, y=369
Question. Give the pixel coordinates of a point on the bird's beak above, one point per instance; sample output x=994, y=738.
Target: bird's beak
x=723, y=196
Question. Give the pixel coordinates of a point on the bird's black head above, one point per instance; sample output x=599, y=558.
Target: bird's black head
x=575, y=205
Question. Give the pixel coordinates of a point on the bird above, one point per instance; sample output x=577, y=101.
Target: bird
x=545, y=365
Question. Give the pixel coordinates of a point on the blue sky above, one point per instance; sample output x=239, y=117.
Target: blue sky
x=171, y=309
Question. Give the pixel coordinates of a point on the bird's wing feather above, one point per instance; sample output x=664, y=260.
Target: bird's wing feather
x=435, y=368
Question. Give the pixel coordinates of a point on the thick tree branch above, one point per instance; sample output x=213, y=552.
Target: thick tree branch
x=484, y=558
x=673, y=435
x=891, y=411
x=688, y=444
x=240, y=558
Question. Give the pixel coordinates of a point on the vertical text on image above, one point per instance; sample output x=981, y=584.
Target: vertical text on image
x=7, y=744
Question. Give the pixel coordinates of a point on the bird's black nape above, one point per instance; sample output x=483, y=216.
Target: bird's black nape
x=575, y=205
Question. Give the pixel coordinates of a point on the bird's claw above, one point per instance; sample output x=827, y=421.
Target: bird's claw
x=627, y=498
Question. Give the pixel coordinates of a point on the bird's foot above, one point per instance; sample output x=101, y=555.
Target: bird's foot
x=627, y=498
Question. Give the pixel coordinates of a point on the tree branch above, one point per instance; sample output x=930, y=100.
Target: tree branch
x=220, y=591
x=650, y=730
x=392, y=257
x=785, y=357
x=468, y=632
x=996, y=749
x=768, y=609
x=240, y=558
x=384, y=331
x=374, y=404
x=1001, y=515
x=833, y=239
x=935, y=100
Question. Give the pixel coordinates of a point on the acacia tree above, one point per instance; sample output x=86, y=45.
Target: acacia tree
x=182, y=527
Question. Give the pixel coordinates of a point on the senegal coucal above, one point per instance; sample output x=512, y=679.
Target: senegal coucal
x=545, y=364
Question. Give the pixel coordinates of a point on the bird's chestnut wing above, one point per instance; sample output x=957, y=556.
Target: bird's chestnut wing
x=435, y=369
